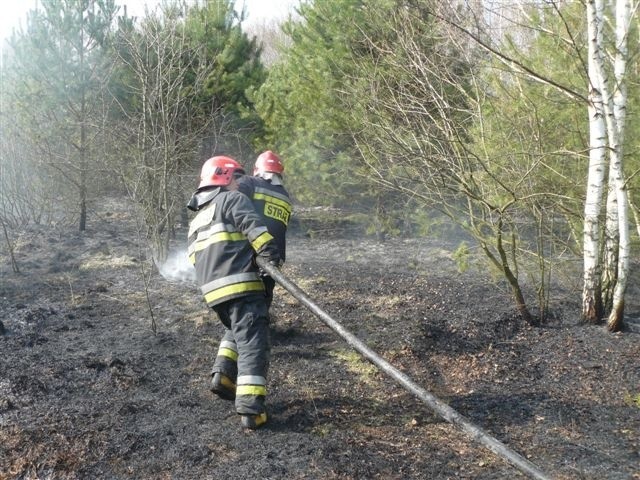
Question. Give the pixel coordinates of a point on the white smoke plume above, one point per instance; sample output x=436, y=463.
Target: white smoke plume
x=177, y=267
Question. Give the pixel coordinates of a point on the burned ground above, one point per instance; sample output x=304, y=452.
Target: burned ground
x=87, y=390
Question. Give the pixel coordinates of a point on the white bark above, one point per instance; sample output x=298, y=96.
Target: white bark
x=591, y=301
x=611, y=243
x=618, y=103
x=613, y=107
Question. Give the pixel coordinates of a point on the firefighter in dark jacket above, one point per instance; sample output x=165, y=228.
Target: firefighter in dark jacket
x=271, y=200
x=224, y=237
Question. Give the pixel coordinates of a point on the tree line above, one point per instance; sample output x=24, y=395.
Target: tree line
x=514, y=121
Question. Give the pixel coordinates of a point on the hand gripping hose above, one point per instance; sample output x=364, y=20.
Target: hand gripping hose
x=437, y=405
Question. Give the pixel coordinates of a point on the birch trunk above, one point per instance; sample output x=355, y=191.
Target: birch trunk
x=591, y=294
x=617, y=129
x=614, y=103
x=611, y=244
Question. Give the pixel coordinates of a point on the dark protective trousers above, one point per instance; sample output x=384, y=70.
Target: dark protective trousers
x=244, y=351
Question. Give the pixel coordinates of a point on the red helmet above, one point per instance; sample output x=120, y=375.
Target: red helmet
x=268, y=162
x=218, y=171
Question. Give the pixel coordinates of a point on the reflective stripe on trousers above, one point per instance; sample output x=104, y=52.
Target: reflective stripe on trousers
x=227, y=357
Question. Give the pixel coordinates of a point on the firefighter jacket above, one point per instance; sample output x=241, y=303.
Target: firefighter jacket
x=272, y=202
x=223, y=237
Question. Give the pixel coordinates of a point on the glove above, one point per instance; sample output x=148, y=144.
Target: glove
x=270, y=253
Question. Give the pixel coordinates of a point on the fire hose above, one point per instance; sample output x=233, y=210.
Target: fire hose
x=441, y=408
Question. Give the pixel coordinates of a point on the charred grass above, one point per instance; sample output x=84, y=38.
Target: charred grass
x=87, y=390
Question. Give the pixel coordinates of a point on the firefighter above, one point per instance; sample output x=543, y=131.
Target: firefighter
x=224, y=236
x=271, y=200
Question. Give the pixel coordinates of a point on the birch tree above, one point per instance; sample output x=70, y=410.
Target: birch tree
x=619, y=100
x=592, y=292
x=607, y=126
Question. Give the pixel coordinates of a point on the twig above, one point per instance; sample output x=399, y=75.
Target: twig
x=145, y=280
x=113, y=298
x=14, y=264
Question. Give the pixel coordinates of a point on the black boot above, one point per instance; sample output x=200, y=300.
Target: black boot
x=223, y=386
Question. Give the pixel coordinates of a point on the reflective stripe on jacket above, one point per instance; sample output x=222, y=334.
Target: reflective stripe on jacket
x=223, y=237
x=272, y=202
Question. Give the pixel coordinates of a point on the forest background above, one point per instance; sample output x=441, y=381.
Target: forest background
x=512, y=124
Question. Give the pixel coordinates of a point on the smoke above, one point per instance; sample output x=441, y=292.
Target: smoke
x=177, y=267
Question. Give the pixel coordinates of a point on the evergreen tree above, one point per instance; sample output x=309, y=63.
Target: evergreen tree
x=56, y=73
x=233, y=72
x=305, y=119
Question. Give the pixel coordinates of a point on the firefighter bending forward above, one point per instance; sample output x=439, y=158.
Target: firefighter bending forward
x=271, y=201
x=224, y=236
